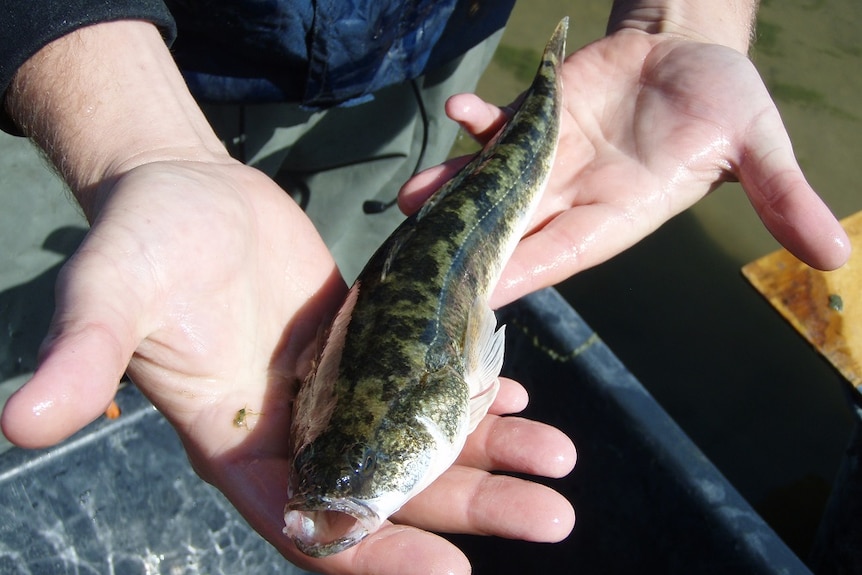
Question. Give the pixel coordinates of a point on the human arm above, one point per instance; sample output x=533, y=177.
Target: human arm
x=207, y=284
x=724, y=22
x=656, y=117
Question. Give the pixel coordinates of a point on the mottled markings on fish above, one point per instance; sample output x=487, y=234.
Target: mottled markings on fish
x=418, y=338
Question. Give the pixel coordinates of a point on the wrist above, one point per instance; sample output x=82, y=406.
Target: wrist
x=105, y=99
x=726, y=22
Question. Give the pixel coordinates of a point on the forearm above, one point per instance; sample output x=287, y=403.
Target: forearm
x=104, y=99
x=727, y=22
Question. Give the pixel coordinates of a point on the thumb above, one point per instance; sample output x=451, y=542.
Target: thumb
x=789, y=208
x=81, y=362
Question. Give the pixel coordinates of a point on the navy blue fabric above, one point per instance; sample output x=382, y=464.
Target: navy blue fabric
x=361, y=46
x=322, y=52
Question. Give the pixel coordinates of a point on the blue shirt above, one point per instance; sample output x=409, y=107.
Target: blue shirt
x=321, y=53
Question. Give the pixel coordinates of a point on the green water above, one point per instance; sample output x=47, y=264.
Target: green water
x=750, y=392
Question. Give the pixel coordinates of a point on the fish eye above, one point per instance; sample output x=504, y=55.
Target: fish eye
x=369, y=464
x=364, y=460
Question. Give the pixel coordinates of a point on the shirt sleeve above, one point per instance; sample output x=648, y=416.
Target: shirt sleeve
x=26, y=27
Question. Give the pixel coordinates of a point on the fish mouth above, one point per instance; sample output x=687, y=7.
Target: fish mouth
x=322, y=526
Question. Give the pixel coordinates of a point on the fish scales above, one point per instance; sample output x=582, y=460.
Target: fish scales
x=391, y=383
x=454, y=254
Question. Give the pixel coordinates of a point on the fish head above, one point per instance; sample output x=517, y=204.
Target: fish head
x=339, y=495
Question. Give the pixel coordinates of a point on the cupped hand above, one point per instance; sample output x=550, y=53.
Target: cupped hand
x=209, y=287
x=651, y=124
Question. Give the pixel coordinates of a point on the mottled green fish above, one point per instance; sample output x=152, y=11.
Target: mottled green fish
x=410, y=364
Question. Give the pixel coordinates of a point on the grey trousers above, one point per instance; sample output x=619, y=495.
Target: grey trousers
x=333, y=161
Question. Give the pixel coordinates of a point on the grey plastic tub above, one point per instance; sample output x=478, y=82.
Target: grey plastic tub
x=120, y=497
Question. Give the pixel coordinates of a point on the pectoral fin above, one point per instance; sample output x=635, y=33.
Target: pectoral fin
x=483, y=350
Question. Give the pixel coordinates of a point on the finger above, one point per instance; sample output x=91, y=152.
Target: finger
x=478, y=118
x=399, y=549
x=466, y=500
x=419, y=188
x=258, y=489
x=481, y=120
x=81, y=363
x=789, y=208
x=519, y=445
x=574, y=240
x=511, y=398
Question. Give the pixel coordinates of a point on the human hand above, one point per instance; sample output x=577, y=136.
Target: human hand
x=211, y=285
x=651, y=124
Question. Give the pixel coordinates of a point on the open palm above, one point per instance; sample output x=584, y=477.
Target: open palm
x=212, y=286
x=651, y=124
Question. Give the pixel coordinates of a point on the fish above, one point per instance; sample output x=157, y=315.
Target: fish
x=410, y=363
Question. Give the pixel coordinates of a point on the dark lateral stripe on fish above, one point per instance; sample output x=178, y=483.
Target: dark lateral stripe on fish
x=444, y=243
x=449, y=252
x=415, y=339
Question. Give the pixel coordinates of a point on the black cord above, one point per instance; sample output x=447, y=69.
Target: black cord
x=377, y=206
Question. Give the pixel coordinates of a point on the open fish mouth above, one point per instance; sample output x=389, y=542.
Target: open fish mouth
x=322, y=526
